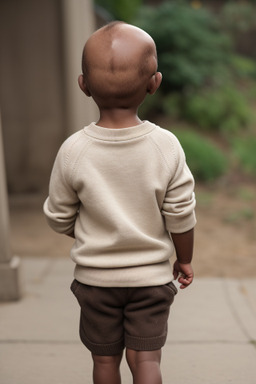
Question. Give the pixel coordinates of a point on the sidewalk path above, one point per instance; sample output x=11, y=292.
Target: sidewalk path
x=212, y=332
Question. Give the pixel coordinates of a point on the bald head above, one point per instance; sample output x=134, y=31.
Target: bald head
x=118, y=62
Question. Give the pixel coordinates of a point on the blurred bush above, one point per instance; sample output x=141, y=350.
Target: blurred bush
x=238, y=20
x=224, y=109
x=124, y=10
x=192, y=49
x=209, y=76
x=244, y=151
x=198, y=67
x=205, y=160
x=243, y=67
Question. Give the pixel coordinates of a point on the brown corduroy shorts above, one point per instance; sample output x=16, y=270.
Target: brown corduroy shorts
x=116, y=318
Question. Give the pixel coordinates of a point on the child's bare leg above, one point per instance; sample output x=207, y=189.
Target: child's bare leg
x=106, y=369
x=145, y=366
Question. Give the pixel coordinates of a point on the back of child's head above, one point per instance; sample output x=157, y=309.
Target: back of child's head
x=118, y=63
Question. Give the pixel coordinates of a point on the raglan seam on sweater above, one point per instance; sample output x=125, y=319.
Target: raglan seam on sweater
x=67, y=157
x=68, y=176
x=81, y=152
x=159, y=149
x=66, y=161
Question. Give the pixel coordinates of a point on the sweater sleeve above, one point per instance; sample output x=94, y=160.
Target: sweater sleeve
x=179, y=203
x=62, y=205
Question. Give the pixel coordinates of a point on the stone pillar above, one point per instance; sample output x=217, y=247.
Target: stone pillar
x=10, y=276
x=78, y=25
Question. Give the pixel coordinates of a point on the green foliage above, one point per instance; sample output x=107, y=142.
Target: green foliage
x=206, y=161
x=124, y=10
x=172, y=105
x=243, y=67
x=223, y=109
x=192, y=50
x=151, y=105
x=244, y=150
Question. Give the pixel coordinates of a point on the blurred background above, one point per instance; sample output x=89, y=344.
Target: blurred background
x=207, y=55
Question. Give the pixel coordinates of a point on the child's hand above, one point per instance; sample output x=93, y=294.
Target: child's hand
x=184, y=273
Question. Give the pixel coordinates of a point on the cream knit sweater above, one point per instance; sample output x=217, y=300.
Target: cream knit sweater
x=122, y=191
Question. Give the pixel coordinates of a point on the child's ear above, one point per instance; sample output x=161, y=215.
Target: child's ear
x=154, y=83
x=83, y=86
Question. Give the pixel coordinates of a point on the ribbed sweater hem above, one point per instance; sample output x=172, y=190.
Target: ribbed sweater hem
x=139, y=276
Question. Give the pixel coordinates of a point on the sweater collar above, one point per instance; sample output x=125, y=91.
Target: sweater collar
x=120, y=134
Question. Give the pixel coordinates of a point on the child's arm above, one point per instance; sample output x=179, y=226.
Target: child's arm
x=62, y=205
x=182, y=268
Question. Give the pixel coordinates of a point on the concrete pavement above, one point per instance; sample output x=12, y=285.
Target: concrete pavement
x=212, y=332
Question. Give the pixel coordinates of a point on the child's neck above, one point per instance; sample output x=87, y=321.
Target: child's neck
x=118, y=118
